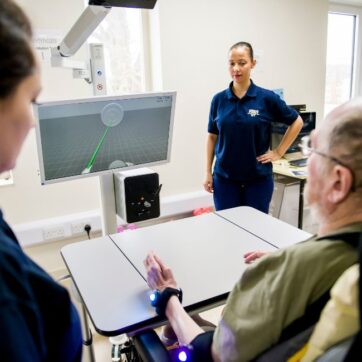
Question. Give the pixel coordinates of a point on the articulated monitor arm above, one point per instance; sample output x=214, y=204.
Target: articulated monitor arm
x=91, y=17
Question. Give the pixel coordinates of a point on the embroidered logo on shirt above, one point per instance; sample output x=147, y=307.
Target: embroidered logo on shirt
x=253, y=112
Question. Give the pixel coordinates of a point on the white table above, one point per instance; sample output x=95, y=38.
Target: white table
x=205, y=253
x=112, y=291
x=271, y=230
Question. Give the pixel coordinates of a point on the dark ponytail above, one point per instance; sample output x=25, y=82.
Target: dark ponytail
x=16, y=54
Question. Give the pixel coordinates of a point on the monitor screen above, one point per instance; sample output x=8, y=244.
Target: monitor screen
x=279, y=129
x=84, y=137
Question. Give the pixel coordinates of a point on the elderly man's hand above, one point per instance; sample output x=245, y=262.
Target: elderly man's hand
x=253, y=255
x=159, y=275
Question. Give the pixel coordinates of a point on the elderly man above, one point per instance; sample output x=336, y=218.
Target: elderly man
x=275, y=292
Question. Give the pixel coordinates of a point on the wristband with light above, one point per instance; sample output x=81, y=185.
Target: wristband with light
x=160, y=299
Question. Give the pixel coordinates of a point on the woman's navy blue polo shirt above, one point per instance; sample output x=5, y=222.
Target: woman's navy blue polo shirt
x=38, y=322
x=243, y=127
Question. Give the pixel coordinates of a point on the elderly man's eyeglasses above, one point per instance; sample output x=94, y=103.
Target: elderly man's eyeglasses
x=306, y=149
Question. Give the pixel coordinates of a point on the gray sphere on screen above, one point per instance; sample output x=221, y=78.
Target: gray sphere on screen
x=119, y=164
x=112, y=114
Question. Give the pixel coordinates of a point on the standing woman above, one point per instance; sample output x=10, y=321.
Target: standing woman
x=239, y=129
x=37, y=319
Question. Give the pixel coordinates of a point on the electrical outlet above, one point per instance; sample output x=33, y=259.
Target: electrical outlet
x=54, y=233
x=78, y=228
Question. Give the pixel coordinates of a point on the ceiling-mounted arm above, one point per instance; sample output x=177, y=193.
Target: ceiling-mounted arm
x=91, y=17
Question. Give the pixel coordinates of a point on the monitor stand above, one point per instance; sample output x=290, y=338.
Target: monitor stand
x=108, y=204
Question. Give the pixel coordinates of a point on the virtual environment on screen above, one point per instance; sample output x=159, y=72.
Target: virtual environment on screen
x=89, y=137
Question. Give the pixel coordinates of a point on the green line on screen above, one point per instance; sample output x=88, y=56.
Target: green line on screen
x=91, y=161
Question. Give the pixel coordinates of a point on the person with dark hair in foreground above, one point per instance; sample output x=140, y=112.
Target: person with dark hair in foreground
x=37, y=319
x=274, y=294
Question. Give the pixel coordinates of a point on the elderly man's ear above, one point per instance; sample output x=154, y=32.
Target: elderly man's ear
x=341, y=181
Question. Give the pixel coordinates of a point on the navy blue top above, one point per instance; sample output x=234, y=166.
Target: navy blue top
x=38, y=322
x=243, y=127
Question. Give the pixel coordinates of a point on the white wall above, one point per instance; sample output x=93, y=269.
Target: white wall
x=289, y=39
x=27, y=200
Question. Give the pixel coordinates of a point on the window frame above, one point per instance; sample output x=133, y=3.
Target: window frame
x=146, y=53
x=356, y=11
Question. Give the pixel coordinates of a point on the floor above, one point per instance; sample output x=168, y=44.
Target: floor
x=102, y=346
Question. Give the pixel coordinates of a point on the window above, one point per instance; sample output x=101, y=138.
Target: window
x=121, y=33
x=340, y=59
x=343, y=68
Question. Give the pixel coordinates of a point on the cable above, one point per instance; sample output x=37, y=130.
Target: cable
x=64, y=277
x=87, y=229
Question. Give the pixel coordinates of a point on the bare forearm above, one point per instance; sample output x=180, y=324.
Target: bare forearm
x=210, y=151
x=183, y=325
x=289, y=136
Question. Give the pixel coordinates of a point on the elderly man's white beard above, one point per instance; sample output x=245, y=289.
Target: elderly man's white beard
x=315, y=213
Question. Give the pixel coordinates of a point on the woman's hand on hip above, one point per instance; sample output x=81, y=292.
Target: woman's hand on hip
x=270, y=156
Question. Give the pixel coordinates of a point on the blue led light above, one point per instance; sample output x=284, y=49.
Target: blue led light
x=182, y=356
x=152, y=297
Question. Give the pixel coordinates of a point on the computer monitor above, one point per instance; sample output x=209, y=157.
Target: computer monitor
x=86, y=137
x=279, y=129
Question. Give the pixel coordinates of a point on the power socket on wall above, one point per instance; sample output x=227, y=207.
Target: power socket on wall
x=78, y=228
x=53, y=233
x=60, y=228
x=58, y=232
